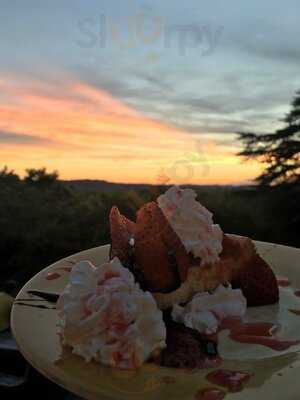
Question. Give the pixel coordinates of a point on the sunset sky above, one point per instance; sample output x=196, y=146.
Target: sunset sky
x=143, y=92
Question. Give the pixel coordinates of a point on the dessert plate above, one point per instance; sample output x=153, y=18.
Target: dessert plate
x=273, y=372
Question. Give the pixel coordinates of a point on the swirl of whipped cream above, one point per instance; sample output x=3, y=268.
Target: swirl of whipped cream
x=206, y=311
x=105, y=316
x=193, y=224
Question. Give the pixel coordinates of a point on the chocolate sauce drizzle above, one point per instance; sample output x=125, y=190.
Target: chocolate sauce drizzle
x=20, y=303
x=50, y=297
x=44, y=296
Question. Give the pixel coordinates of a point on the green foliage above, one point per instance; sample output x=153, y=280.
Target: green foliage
x=279, y=151
x=8, y=177
x=40, y=177
x=43, y=220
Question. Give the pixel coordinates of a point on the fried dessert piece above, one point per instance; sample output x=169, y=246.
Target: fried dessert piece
x=122, y=230
x=240, y=264
x=258, y=283
x=158, y=250
x=173, y=275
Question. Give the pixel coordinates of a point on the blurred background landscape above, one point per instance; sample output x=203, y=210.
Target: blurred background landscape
x=46, y=218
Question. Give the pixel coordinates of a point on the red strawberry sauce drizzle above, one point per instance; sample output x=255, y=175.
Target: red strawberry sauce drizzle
x=297, y=293
x=255, y=333
x=232, y=380
x=52, y=275
x=210, y=394
x=55, y=275
x=282, y=281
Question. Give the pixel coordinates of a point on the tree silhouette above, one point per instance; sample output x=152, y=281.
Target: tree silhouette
x=8, y=176
x=40, y=177
x=279, y=151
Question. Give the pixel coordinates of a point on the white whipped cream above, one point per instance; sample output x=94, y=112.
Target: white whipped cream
x=193, y=223
x=105, y=316
x=206, y=311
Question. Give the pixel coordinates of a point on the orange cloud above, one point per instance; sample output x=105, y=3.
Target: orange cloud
x=84, y=132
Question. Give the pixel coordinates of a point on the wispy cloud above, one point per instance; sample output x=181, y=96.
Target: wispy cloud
x=84, y=131
x=22, y=139
x=232, y=101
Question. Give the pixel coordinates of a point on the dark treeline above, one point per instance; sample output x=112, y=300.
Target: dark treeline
x=43, y=219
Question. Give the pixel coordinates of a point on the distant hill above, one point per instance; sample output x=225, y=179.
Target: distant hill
x=88, y=185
